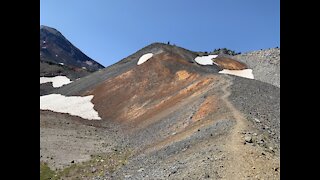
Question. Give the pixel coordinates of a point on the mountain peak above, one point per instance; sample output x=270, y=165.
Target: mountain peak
x=54, y=47
x=50, y=29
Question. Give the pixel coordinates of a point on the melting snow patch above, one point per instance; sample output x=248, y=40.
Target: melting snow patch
x=73, y=105
x=246, y=73
x=144, y=58
x=205, y=60
x=57, y=81
x=89, y=63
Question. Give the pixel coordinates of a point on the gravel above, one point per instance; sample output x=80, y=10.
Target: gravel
x=258, y=100
x=264, y=63
x=197, y=151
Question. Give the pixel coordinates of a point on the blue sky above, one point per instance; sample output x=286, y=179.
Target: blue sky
x=109, y=30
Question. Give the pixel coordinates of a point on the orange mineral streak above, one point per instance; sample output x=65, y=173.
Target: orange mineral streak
x=208, y=106
x=144, y=91
x=228, y=63
x=182, y=75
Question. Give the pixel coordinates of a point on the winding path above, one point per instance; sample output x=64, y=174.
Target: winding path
x=244, y=161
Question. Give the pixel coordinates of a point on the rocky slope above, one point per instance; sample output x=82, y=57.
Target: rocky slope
x=265, y=64
x=59, y=58
x=167, y=118
x=54, y=47
x=49, y=69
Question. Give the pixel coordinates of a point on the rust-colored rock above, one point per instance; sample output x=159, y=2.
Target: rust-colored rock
x=228, y=63
x=146, y=90
x=208, y=106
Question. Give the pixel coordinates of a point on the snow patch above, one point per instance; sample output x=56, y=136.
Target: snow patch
x=73, y=105
x=205, y=60
x=246, y=73
x=144, y=58
x=61, y=64
x=57, y=81
x=89, y=63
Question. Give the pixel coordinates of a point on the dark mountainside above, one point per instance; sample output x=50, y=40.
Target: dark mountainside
x=58, y=57
x=49, y=69
x=168, y=118
x=54, y=47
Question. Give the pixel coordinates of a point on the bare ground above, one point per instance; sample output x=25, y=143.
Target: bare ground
x=246, y=161
x=172, y=145
x=190, y=126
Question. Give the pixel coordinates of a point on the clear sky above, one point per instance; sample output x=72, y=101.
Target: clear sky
x=109, y=30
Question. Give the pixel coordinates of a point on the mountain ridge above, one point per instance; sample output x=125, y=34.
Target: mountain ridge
x=169, y=117
x=54, y=47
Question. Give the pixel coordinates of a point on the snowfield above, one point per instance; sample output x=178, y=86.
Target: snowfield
x=73, y=105
x=57, y=81
x=246, y=73
x=144, y=58
x=205, y=60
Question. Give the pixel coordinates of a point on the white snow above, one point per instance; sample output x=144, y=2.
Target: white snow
x=205, y=60
x=246, y=73
x=57, y=81
x=89, y=63
x=73, y=105
x=144, y=58
x=61, y=64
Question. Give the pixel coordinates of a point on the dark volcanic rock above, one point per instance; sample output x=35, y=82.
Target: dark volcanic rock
x=49, y=69
x=258, y=100
x=54, y=47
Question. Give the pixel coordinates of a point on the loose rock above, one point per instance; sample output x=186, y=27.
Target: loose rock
x=248, y=139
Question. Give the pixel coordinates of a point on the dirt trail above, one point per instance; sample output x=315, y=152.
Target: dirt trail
x=234, y=145
x=245, y=161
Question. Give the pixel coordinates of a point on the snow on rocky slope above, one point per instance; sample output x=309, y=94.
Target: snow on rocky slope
x=264, y=63
x=74, y=105
x=57, y=81
x=144, y=58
